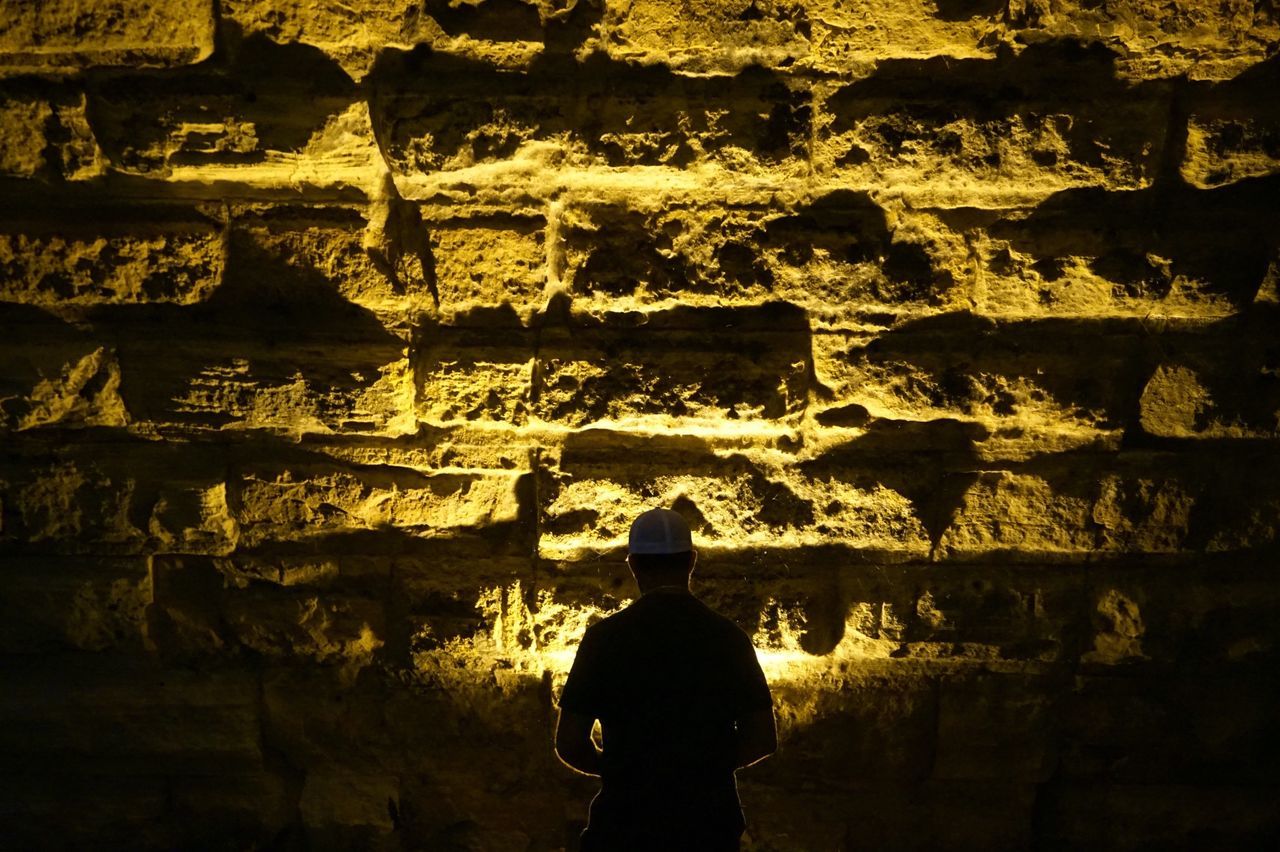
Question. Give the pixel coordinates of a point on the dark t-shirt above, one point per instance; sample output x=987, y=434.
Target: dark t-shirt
x=667, y=677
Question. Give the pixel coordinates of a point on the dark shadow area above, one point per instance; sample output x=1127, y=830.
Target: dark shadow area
x=429, y=109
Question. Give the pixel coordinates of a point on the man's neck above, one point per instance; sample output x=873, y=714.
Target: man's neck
x=666, y=589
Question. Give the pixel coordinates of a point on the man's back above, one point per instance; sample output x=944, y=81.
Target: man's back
x=667, y=677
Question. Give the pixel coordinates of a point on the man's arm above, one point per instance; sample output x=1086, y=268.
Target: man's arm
x=757, y=737
x=573, y=742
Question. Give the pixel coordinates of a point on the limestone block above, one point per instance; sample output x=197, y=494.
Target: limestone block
x=849, y=36
x=52, y=377
x=326, y=627
x=90, y=254
x=1020, y=513
x=308, y=501
x=693, y=367
x=332, y=247
x=86, y=603
x=282, y=345
x=435, y=113
x=466, y=375
x=1231, y=129
x=484, y=264
x=902, y=817
x=264, y=118
x=1021, y=386
x=930, y=132
x=352, y=33
x=1165, y=255
x=139, y=499
x=836, y=256
x=1209, y=397
x=702, y=37
x=104, y=714
x=67, y=506
x=731, y=503
x=45, y=133
x=1204, y=40
x=64, y=35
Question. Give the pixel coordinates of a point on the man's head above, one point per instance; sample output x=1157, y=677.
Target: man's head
x=660, y=549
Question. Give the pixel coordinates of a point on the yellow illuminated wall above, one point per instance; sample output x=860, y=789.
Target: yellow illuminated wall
x=342, y=342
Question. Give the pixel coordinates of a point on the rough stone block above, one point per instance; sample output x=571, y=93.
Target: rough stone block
x=869, y=725
x=836, y=256
x=353, y=33
x=114, y=715
x=1232, y=130
x=930, y=132
x=92, y=254
x=849, y=36
x=732, y=503
x=1021, y=388
x=239, y=810
x=52, y=375
x=567, y=114
x=112, y=811
x=484, y=265
x=683, y=367
x=343, y=811
x=1225, y=386
x=302, y=502
x=90, y=604
x=701, y=37
x=1162, y=254
x=465, y=375
x=64, y=35
x=1204, y=40
x=264, y=118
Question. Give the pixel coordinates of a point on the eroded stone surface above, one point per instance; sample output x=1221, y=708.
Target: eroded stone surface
x=64, y=35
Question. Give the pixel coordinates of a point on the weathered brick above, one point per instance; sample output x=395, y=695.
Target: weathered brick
x=1140, y=507
x=852, y=35
x=1162, y=253
x=65, y=35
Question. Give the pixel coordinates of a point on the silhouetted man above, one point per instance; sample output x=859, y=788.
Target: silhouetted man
x=682, y=704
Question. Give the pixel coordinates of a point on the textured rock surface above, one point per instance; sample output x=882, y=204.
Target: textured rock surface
x=342, y=341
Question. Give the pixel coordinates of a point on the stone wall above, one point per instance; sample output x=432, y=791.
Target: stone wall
x=342, y=341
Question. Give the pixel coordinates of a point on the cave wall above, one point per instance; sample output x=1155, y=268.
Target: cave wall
x=342, y=341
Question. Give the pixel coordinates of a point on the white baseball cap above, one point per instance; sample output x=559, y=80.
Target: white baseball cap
x=660, y=531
